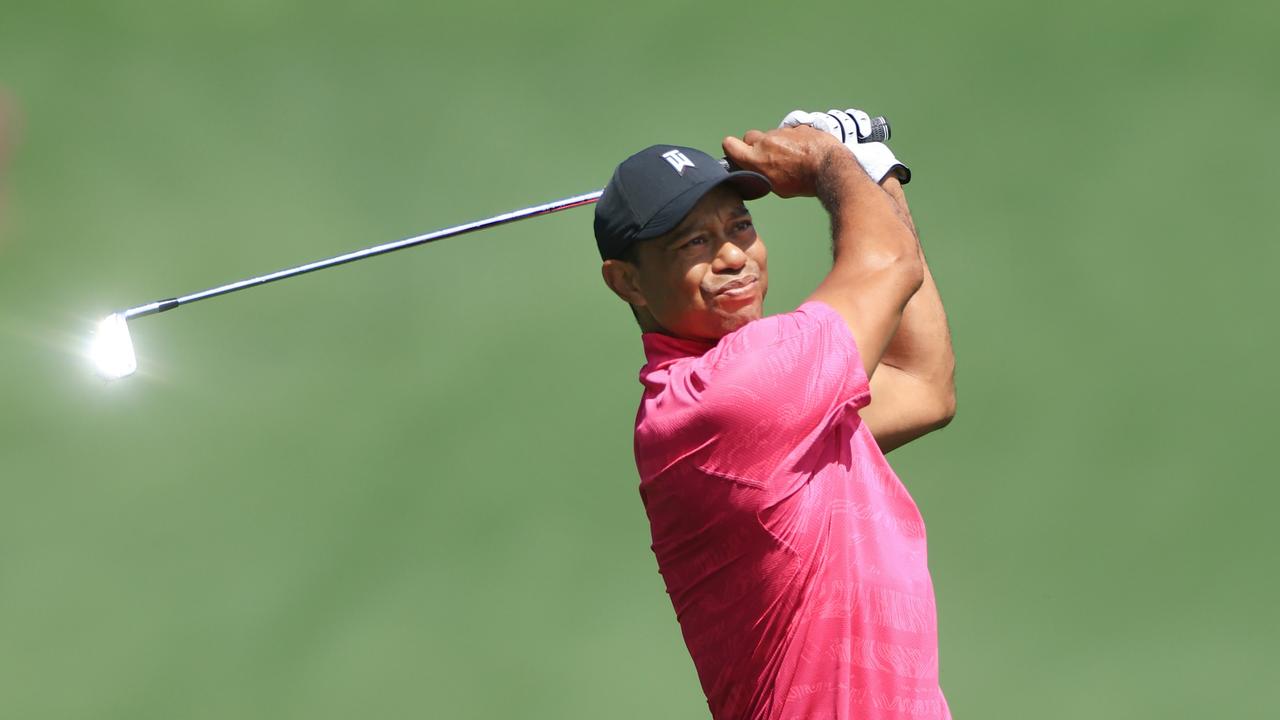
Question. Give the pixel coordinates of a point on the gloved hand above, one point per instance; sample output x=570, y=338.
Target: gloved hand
x=850, y=127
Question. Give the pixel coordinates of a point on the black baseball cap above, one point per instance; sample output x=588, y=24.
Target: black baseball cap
x=651, y=192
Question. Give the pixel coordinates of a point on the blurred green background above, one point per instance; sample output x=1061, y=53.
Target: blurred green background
x=405, y=488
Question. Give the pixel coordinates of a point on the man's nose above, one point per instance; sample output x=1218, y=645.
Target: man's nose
x=730, y=258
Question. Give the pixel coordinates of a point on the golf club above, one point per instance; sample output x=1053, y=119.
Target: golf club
x=111, y=348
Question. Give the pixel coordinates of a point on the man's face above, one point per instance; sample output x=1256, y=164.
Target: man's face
x=704, y=279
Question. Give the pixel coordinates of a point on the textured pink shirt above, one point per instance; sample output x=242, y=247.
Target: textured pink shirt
x=794, y=557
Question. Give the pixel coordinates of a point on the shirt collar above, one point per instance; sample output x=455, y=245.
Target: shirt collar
x=662, y=350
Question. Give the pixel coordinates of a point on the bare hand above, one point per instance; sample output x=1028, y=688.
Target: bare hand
x=792, y=158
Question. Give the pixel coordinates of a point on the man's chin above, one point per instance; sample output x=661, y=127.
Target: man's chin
x=710, y=324
x=738, y=318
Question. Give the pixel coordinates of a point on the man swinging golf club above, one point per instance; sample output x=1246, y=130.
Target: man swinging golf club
x=794, y=557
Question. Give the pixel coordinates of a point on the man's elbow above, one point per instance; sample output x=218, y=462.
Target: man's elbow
x=942, y=409
x=946, y=411
x=896, y=274
x=907, y=272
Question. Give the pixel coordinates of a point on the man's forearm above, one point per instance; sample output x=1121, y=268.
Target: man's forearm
x=921, y=347
x=876, y=262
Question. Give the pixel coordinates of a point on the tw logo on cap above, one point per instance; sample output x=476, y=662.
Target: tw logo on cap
x=679, y=161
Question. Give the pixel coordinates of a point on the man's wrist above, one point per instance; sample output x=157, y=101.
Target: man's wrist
x=838, y=162
x=839, y=172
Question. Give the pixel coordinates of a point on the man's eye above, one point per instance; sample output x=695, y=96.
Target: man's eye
x=742, y=226
x=695, y=241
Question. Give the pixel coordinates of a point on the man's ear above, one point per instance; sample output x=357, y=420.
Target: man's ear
x=623, y=279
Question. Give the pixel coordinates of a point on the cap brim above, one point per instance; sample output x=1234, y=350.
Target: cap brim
x=750, y=185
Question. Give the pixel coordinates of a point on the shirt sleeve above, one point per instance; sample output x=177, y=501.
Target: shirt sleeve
x=775, y=383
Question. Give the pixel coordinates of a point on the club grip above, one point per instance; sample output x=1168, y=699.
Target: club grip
x=880, y=131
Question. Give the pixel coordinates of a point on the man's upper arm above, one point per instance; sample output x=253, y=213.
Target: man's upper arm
x=906, y=407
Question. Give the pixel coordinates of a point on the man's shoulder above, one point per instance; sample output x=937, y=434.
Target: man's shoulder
x=680, y=372
x=778, y=377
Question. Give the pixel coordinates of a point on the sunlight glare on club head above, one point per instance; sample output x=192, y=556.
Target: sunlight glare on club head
x=112, y=349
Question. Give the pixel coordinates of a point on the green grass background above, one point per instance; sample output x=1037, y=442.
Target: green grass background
x=405, y=488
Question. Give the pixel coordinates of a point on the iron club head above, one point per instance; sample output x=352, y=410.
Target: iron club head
x=111, y=349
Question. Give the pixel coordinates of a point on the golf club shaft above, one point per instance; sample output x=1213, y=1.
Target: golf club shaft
x=880, y=131
x=513, y=216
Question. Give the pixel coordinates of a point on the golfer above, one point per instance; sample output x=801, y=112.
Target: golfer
x=794, y=557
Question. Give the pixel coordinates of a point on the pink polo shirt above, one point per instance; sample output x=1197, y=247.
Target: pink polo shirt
x=794, y=557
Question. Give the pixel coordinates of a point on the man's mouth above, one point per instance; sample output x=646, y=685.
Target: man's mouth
x=742, y=287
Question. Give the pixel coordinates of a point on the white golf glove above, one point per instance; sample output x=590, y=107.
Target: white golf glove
x=851, y=127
